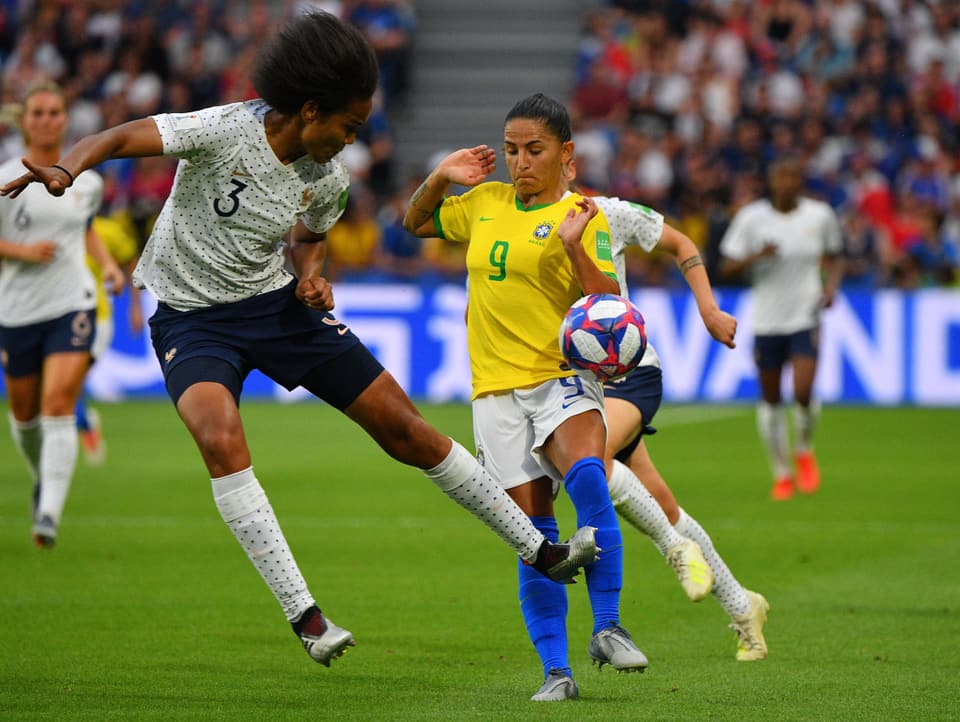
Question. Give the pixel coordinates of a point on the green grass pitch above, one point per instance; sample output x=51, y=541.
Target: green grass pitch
x=148, y=609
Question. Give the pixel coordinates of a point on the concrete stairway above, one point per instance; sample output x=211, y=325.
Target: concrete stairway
x=472, y=60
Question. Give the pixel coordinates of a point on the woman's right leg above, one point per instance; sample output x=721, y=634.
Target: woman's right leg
x=543, y=603
x=210, y=412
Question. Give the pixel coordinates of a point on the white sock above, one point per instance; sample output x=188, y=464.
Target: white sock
x=27, y=438
x=58, y=458
x=461, y=478
x=772, y=425
x=804, y=421
x=244, y=507
x=635, y=504
x=728, y=591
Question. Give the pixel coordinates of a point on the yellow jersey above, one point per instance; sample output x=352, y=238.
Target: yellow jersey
x=120, y=239
x=521, y=282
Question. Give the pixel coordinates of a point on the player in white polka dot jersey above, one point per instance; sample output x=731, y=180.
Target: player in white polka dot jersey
x=638, y=490
x=250, y=176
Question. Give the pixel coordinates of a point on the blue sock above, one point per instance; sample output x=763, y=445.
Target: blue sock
x=83, y=423
x=544, y=607
x=586, y=484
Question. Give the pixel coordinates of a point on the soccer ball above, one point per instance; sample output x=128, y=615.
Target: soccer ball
x=602, y=337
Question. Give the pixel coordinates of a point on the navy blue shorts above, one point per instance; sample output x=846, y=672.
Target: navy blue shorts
x=642, y=387
x=273, y=333
x=772, y=352
x=23, y=348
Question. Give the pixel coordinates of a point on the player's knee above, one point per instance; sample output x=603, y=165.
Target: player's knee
x=416, y=443
x=59, y=403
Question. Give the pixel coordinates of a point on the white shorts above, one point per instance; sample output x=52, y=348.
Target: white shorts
x=509, y=429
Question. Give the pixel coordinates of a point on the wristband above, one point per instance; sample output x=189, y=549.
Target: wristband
x=69, y=174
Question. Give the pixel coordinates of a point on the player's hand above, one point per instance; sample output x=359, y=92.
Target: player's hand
x=722, y=326
x=39, y=252
x=468, y=166
x=54, y=179
x=571, y=228
x=114, y=279
x=768, y=251
x=315, y=292
x=135, y=316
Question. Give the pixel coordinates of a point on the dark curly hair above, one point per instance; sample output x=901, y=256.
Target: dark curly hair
x=315, y=57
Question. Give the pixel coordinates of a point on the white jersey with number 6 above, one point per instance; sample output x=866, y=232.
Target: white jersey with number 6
x=35, y=292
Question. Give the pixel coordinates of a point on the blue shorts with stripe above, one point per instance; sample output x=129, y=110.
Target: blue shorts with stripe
x=642, y=387
x=23, y=348
x=272, y=332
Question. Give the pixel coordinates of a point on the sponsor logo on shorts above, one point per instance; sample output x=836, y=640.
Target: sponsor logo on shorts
x=343, y=328
x=81, y=328
x=168, y=356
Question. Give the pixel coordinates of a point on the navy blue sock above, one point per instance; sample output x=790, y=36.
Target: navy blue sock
x=544, y=607
x=586, y=484
x=83, y=423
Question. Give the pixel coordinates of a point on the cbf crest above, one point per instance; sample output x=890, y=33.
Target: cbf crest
x=542, y=231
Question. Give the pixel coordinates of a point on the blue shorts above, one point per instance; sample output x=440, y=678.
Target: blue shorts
x=642, y=387
x=23, y=348
x=772, y=352
x=273, y=333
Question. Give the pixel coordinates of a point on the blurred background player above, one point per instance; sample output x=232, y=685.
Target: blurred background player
x=785, y=242
x=47, y=300
x=532, y=250
x=120, y=239
x=251, y=173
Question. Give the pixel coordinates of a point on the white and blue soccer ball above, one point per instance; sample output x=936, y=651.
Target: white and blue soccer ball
x=603, y=337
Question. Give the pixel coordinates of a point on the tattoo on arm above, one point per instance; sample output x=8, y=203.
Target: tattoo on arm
x=689, y=263
x=418, y=194
x=421, y=215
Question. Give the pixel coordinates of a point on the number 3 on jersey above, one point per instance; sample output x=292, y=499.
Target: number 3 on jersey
x=498, y=259
x=234, y=197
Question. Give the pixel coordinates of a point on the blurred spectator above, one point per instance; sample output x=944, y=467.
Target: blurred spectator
x=400, y=251
x=866, y=94
x=388, y=25
x=353, y=244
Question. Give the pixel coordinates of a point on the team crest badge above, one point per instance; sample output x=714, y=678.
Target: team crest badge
x=542, y=231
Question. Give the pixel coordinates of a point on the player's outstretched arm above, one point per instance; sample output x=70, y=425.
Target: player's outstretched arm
x=134, y=139
x=467, y=167
x=721, y=325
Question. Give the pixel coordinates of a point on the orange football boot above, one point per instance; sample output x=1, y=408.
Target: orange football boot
x=808, y=473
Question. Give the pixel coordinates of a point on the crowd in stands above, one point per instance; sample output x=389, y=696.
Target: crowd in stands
x=118, y=60
x=679, y=105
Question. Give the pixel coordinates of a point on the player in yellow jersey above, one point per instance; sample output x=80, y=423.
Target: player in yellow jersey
x=534, y=248
x=120, y=240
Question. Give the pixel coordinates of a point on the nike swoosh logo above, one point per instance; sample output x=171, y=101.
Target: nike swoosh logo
x=486, y=218
x=343, y=330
